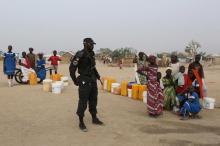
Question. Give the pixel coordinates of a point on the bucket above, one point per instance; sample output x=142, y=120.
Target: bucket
x=145, y=96
x=56, y=77
x=130, y=93
x=47, y=85
x=103, y=81
x=130, y=85
x=124, y=87
x=209, y=103
x=65, y=80
x=32, y=78
x=56, y=87
x=110, y=81
x=135, y=91
x=61, y=83
x=105, y=84
x=142, y=88
x=114, y=85
x=117, y=90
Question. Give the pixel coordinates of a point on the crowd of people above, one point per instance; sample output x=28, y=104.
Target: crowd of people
x=177, y=91
x=28, y=63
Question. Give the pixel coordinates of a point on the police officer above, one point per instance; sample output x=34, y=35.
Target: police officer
x=84, y=61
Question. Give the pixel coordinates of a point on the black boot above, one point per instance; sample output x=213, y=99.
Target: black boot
x=82, y=126
x=96, y=121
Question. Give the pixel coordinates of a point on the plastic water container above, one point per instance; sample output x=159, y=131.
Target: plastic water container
x=56, y=77
x=57, y=87
x=142, y=88
x=209, y=103
x=103, y=81
x=135, y=91
x=113, y=86
x=130, y=85
x=65, y=80
x=47, y=85
x=145, y=96
x=117, y=90
x=110, y=81
x=61, y=83
x=32, y=78
x=130, y=93
x=105, y=84
x=124, y=87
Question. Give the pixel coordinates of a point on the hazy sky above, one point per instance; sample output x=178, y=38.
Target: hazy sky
x=150, y=25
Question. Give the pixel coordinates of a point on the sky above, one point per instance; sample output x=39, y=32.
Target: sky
x=147, y=25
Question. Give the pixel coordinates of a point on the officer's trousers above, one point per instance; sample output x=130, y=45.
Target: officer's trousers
x=88, y=93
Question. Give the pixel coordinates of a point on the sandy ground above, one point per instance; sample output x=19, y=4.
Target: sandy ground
x=31, y=117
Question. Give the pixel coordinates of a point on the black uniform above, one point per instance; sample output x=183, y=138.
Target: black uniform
x=87, y=80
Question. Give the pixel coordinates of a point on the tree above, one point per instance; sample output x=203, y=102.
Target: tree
x=123, y=53
x=192, y=48
x=104, y=51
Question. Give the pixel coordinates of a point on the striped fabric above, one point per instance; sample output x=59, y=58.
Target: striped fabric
x=155, y=94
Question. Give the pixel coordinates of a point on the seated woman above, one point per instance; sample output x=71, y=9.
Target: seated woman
x=41, y=71
x=25, y=67
x=192, y=106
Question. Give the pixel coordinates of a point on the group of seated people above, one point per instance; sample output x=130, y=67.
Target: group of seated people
x=28, y=63
x=181, y=91
x=181, y=94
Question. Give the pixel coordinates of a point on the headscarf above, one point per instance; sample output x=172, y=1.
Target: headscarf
x=152, y=57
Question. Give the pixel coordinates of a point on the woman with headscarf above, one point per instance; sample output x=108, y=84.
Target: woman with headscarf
x=198, y=77
x=154, y=94
x=141, y=63
x=169, y=91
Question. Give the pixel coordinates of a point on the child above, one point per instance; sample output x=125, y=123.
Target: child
x=180, y=76
x=183, y=83
x=31, y=56
x=41, y=71
x=25, y=67
x=192, y=106
x=159, y=75
x=9, y=65
x=120, y=64
x=54, y=62
x=169, y=91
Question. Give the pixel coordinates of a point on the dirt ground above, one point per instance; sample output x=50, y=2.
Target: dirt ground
x=31, y=117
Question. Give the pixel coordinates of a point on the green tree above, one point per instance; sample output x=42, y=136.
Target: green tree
x=123, y=53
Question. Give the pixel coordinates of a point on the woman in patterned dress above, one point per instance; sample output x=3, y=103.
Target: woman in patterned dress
x=155, y=93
